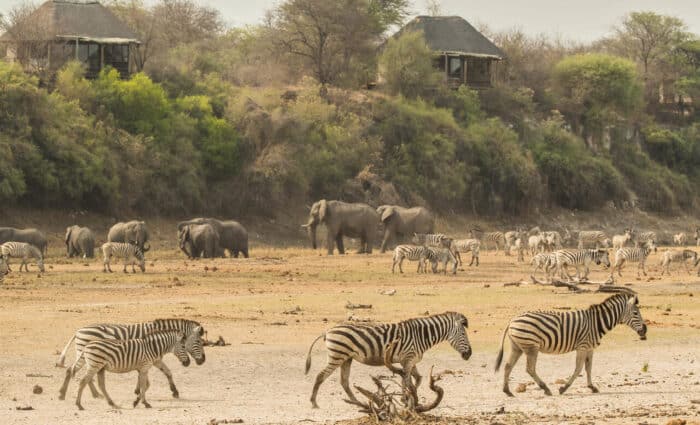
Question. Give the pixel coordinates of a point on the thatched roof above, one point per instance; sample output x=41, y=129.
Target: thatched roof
x=85, y=20
x=453, y=34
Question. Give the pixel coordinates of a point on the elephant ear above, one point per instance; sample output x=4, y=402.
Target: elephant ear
x=323, y=209
x=68, y=232
x=388, y=212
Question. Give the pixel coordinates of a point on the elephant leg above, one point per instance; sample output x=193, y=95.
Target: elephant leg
x=331, y=241
x=385, y=241
x=339, y=242
x=245, y=252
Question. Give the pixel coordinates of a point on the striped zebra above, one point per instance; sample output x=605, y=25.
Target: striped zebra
x=431, y=239
x=619, y=241
x=24, y=251
x=595, y=238
x=675, y=256
x=83, y=336
x=417, y=253
x=547, y=261
x=632, y=255
x=578, y=258
x=131, y=254
x=466, y=245
x=643, y=238
x=495, y=238
x=122, y=356
x=441, y=256
x=554, y=332
x=680, y=239
x=366, y=344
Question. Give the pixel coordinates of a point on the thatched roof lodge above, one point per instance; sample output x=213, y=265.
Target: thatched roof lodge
x=63, y=30
x=465, y=54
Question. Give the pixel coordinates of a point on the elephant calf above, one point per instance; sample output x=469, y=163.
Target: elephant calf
x=197, y=240
x=80, y=241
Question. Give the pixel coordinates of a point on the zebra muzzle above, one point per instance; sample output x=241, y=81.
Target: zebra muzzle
x=467, y=354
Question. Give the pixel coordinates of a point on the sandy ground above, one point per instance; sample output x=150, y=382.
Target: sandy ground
x=259, y=377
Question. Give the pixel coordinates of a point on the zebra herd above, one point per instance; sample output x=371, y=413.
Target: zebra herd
x=125, y=348
x=529, y=333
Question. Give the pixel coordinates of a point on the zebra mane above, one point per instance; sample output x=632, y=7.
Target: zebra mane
x=445, y=314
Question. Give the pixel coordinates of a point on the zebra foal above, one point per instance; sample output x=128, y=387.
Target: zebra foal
x=122, y=356
x=546, y=261
x=131, y=254
x=442, y=256
x=366, y=344
x=556, y=332
x=24, y=251
x=466, y=245
x=633, y=255
x=580, y=258
x=83, y=336
x=417, y=253
x=431, y=239
x=675, y=256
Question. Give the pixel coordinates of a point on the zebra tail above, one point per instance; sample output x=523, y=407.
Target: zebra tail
x=308, y=356
x=62, y=359
x=499, y=358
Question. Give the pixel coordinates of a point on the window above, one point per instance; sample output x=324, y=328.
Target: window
x=455, y=67
x=89, y=53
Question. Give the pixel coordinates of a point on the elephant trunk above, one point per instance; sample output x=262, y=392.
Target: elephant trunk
x=311, y=229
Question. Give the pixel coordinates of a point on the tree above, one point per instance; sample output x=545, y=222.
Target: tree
x=650, y=39
x=433, y=7
x=332, y=37
x=596, y=91
x=407, y=65
x=167, y=24
x=29, y=34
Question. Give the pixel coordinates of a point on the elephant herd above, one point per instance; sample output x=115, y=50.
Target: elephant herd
x=360, y=221
x=199, y=237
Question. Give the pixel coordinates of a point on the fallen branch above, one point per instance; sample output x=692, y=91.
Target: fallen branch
x=351, y=306
x=218, y=343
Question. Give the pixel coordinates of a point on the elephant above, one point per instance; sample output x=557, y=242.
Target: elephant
x=400, y=222
x=80, y=240
x=30, y=236
x=198, y=240
x=343, y=219
x=232, y=235
x=133, y=231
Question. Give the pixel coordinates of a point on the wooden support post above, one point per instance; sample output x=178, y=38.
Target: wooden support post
x=464, y=64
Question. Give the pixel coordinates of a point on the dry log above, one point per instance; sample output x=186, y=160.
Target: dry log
x=351, y=306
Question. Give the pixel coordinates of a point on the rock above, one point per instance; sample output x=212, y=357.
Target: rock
x=560, y=382
x=676, y=422
x=521, y=388
x=37, y=389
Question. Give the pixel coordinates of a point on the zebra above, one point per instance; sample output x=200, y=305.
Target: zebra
x=510, y=237
x=683, y=256
x=431, y=239
x=122, y=356
x=24, y=251
x=596, y=238
x=555, y=332
x=497, y=238
x=697, y=236
x=366, y=344
x=643, y=238
x=633, y=255
x=536, y=243
x=83, y=336
x=466, y=245
x=580, y=257
x=131, y=254
x=545, y=261
x=680, y=239
x=619, y=241
x=441, y=255
x=411, y=252
x=552, y=240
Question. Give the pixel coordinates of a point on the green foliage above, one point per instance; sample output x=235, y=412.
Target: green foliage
x=407, y=66
x=597, y=90
x=574, y=177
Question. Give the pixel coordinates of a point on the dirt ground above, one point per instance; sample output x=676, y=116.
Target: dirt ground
x=272, y=306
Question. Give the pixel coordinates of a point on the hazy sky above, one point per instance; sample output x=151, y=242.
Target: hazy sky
x=582, y=20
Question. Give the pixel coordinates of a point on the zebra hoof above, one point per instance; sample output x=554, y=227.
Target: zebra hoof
x=148, y=406
x=80, y=407
x=176, y=394
x=136, y=402
x=593, y=389
x=561, y=390
x=508, y=393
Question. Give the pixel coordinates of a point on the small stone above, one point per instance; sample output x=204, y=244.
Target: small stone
x=521, y=388
x=37, y=389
